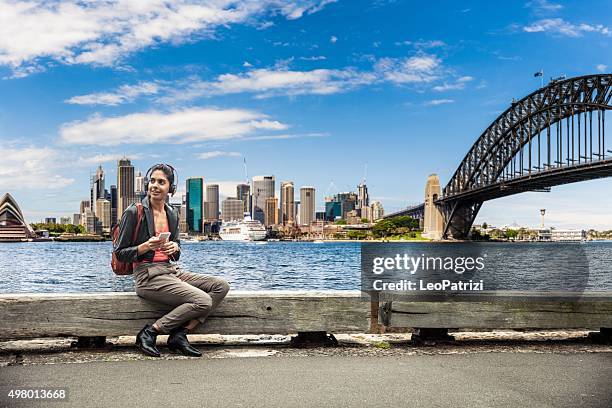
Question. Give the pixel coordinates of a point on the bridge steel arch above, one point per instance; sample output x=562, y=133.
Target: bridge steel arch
x=543, y=140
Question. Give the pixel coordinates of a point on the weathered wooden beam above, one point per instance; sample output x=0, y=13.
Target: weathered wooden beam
x=503, y=310
x=241, y=312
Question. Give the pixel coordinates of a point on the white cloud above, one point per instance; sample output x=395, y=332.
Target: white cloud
x=601, y=67
x=540, y=6
x=435, y=102
x=247, y=64
x=420, y=68
x=182, y=126
x=31, y=168
x=104, y=32
x=104, y=158
x=457, y=85
x=217, y=153
x=333, y=39
x=123, y=94
x=280, y=80
x=562, y=27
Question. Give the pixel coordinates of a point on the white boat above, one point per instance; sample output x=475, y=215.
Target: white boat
x=245, y=230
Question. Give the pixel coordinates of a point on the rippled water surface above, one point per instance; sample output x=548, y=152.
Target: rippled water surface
x=85, y=267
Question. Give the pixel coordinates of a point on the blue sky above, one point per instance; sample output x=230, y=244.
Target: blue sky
x=309, y=91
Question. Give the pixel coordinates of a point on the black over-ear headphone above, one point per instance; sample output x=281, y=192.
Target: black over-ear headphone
x=163, y=167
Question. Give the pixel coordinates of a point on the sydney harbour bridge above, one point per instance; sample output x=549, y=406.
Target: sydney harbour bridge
x=554, y=136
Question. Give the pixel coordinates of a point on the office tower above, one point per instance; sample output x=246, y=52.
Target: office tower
x=243, y=193
x=287, y=203
x=194, y=203
x=113, y=201
x=232, y=209
x=271, y=211
x=139, y=187
x=64, y=220
x=97, y=189
x=363, y=199
x=76, y=219
x=377, y=211
x=125, y=186
x=103, y=211
x=50, y=220
x=263, y=187
x=83, y=205
x=211, y=205
x=183, y=215
x=296, y=211
x=307, y=205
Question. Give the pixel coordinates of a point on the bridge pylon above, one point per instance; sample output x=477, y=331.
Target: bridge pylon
x=433, y=219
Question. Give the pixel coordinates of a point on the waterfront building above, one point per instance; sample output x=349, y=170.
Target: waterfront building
x=232, y=209
x=139, y=187
x=271, y=211
x=194, y=203
x=211, y=205
x=113, y=203
x=243, y=193
x=96, y=190
x=103, y=211
x=83, y=205
x=183, y=228
x=287, y=203
x=561, y=235
x=76, y=219
x=263, y=188
x=377, y=211
x=65, y=220
x=307, y=205
x=13, y=226
x=126, y=194
x=363, y=199
x=50, y=220
x=333, y=209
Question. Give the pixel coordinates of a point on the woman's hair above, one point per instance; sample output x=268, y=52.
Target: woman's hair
x=167, y=170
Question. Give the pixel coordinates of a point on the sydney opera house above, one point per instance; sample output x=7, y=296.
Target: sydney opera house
x=12, y=225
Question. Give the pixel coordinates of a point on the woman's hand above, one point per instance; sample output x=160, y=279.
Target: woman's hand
x=169, y=248
x=151, y=245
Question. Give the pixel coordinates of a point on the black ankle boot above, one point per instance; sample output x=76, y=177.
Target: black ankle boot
x=177, y=342
x=145, y=341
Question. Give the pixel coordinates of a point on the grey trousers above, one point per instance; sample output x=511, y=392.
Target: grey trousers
x=194, y=295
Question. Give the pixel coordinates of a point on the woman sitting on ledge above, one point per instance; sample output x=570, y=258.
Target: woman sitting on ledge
x=155, y=278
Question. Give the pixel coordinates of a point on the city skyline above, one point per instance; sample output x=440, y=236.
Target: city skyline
x=309, y=91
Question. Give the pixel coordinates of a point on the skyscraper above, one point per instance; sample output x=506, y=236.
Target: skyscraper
x=363, y=199
x=211, y=205
x=195, y=188
x=271, y=211
x=243, y=193
x=103, y=211
x=96, y=191
x=113, y=201
x=232, y=209
x=377, y=211
x=139, y=183
x=125, y=186
x=307, y=205
x=287, y=203
x=263, y=187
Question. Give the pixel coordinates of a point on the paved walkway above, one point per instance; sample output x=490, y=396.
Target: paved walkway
x=457, y=380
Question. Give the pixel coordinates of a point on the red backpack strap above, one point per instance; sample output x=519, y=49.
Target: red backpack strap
x=139, y=219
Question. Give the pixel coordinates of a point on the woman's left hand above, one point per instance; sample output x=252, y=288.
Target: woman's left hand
x=169, y=248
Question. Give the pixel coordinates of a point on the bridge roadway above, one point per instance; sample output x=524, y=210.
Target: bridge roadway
x=488, y=379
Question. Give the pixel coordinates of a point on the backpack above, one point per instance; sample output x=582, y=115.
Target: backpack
x=124, y=268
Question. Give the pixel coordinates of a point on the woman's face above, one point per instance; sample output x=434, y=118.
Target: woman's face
x=158, y=185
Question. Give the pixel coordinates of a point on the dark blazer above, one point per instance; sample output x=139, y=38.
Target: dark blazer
x=126, y=250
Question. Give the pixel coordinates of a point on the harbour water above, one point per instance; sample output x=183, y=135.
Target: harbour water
x=85, y=267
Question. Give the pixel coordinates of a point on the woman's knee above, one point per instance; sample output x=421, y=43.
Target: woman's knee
x=203, y=302
x=224, y=287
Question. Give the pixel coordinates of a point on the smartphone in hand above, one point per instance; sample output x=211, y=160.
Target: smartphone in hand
x=164, y=236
